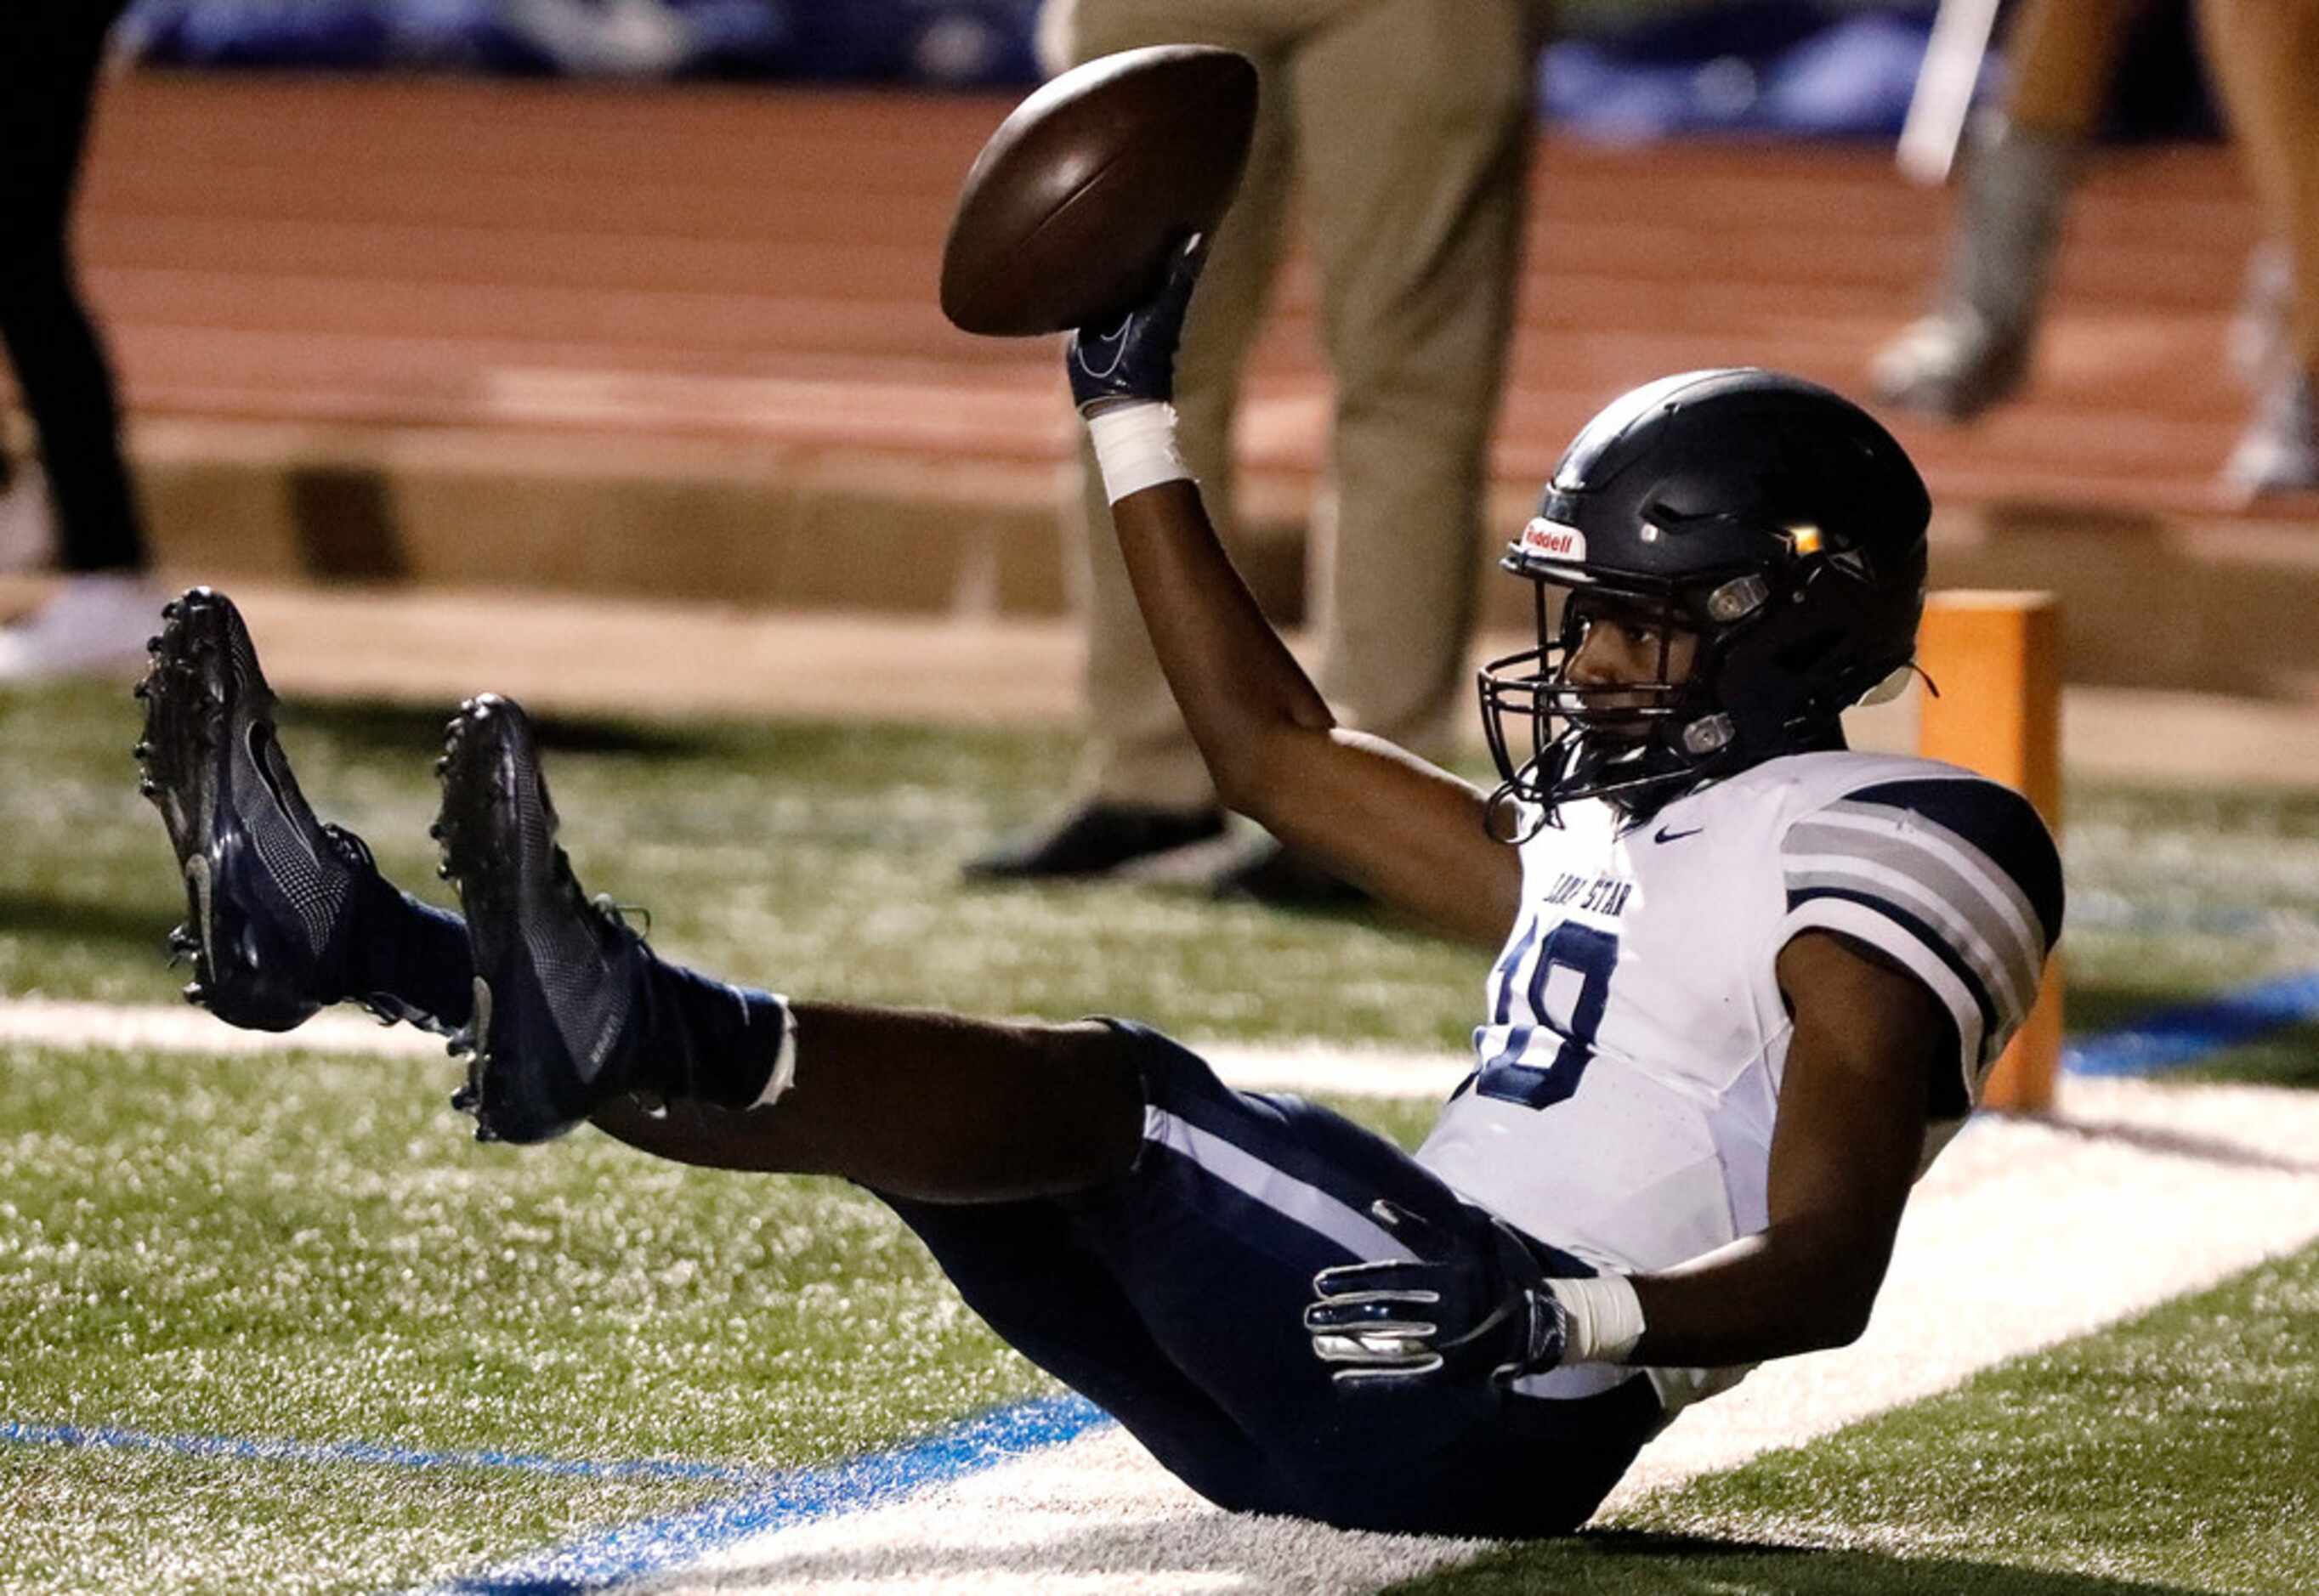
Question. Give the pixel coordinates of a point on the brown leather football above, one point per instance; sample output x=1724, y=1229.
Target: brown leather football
x=1069, y=213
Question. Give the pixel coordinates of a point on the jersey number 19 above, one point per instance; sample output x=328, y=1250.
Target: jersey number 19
x=1590, y=955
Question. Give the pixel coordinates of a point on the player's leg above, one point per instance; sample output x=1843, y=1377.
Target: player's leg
x=1414, y=133
x=285, y=913
x=1167, y=1280
x=1208, y=1209
x=1234, y=1204
x=2264, y=56
x=1024, y=1271
x=575, y=1016
x=1972, y=350
x=1144, y=789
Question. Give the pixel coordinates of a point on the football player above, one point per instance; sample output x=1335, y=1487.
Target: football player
x=1747, y=984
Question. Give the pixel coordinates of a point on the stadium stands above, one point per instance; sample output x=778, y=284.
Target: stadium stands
x=685, y=343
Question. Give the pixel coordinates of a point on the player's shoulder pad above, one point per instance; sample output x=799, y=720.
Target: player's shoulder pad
x=1954, y=874
x=1987, y=828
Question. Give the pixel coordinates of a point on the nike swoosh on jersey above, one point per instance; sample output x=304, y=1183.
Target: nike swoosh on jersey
x=1664, y=836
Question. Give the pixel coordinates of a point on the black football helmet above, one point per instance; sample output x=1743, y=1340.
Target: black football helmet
x=1773, y=519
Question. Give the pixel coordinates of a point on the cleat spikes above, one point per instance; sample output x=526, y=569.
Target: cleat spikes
x=143, y=690
x=208, y=757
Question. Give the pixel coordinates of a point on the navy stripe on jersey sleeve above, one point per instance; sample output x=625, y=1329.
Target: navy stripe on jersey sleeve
x=1954, y=876
x=1996, y=820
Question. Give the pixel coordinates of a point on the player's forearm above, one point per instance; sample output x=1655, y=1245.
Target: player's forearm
x=1800, y=1288
x=1240, y=688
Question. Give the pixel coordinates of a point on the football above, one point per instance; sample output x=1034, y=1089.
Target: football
x=1068, y=214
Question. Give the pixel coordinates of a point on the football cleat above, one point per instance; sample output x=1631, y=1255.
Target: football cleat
x=558, y=977
x=269, y=889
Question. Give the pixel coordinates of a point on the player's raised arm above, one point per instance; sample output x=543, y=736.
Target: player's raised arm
x=1412, y=834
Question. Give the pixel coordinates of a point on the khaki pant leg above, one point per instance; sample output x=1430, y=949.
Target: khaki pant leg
x=2062, y=54
x=1414, y=132
x=1138, y=749
x=2265, y=58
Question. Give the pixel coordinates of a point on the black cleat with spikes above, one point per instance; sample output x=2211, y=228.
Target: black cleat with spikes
x=269, y=890
x=559, y=979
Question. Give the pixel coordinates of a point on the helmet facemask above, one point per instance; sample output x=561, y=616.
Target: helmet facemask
x=1636, y=742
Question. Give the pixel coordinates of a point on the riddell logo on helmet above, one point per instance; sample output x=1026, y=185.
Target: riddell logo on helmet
x=1553, y=539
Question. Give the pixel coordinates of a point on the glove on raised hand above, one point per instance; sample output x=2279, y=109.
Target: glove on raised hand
x=1133, y=358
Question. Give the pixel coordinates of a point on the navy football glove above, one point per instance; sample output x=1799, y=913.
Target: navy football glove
x=1134, y=358
x=1470, y=1306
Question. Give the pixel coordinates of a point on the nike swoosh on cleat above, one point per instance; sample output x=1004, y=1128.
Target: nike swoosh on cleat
x=256, y=741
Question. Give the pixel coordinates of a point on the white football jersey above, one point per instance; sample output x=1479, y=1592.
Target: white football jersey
x=1628, y=1066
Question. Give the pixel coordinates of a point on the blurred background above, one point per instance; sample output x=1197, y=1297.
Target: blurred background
x=631, y=302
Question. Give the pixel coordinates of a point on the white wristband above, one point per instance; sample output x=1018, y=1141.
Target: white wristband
x=1606, y=1318
x=784, y=1075
x=1135, y=447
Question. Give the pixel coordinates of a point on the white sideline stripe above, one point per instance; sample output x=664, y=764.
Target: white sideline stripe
x=2140, y=1192
x=1296, y=1066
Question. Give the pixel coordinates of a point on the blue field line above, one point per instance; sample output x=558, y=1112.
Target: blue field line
x=107, y=1438
x=631, y=1551
x=2170, y=1037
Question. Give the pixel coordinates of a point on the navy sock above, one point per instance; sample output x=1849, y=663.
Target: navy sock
x=412, y=959
x=710, y=1041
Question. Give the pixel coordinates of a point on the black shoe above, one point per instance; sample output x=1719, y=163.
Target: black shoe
x=1094, y=840
x=1271, y=875
x=271, y=893
x=558, y=978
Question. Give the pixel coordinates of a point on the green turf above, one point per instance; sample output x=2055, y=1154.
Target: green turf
x=310, y=1249
x=2177, y=894
x=313, y=1249
x=2177, y=1452
x=823, y=860
x=815, y=860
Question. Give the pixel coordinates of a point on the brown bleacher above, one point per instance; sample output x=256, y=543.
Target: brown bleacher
x=684, y=343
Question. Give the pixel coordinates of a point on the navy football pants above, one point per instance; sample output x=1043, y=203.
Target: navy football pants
x=1173, y=1300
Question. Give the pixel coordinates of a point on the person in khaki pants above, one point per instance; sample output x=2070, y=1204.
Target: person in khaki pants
x=1404, y=128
